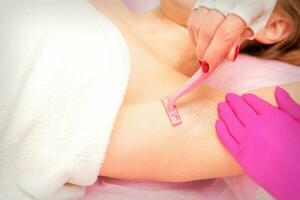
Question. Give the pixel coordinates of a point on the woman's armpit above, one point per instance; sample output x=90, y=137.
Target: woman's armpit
x=200, y=115
x=199, y=108
x=144, y=135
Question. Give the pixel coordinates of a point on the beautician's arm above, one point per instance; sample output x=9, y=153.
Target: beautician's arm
x=145, y=146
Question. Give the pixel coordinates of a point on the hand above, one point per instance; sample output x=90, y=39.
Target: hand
x=265, y=140
x=216, y=36
x=218, y=27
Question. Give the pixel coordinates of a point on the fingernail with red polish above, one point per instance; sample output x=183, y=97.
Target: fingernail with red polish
x=205, y=67
x=236, y=52
x=200, y=63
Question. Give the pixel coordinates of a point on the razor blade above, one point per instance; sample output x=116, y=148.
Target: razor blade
x=172, y=112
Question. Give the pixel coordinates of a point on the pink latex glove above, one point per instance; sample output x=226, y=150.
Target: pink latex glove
x=265, y=140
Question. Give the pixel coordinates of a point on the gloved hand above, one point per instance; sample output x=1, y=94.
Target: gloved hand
x=218, y=27
x=287, y=104
x=264, y=140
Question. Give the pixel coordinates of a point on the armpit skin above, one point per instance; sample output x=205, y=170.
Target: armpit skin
x=145, y=146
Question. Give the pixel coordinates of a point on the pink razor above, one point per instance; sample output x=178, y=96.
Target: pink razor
x=170, y=101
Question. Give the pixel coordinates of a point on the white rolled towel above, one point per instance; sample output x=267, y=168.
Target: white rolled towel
x=64, y=70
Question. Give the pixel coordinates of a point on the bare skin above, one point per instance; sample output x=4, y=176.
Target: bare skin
x=143, y=144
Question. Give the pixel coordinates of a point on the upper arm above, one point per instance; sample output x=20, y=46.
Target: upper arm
x=268, y=92
x=145, y=146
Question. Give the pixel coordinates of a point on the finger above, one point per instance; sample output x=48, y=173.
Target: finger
x=257, y=104
x=190, y=23
x=232, y=123
x=242, y=110
x=286, y=103
x=207, y=31
x=225, y=37
x=195, y=20
x=235, y=50
x=225, y=137
x=191, y=36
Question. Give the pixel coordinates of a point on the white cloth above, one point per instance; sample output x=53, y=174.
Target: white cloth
x=255, y=13
x=64, y=70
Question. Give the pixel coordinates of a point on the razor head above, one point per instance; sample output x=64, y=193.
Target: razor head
x=172, y=113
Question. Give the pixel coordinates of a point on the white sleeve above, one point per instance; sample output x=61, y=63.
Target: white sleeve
x=255, y=13
x=64, y=73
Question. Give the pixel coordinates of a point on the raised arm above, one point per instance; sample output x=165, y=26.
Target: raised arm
x=145, y=146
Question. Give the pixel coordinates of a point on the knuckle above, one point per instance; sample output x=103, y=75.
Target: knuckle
x=225, y=34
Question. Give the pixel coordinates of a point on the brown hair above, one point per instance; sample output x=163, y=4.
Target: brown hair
x=287, y=50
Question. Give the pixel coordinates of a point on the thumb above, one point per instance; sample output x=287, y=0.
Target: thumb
x=286, y=103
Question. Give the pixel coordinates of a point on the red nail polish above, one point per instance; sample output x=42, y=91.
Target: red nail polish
x=236, y=52
x=200, y=63
x=205, y=67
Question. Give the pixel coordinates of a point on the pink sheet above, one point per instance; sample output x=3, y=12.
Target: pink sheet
x=112, y=189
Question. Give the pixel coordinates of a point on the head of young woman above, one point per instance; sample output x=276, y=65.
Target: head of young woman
x=279, y=40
